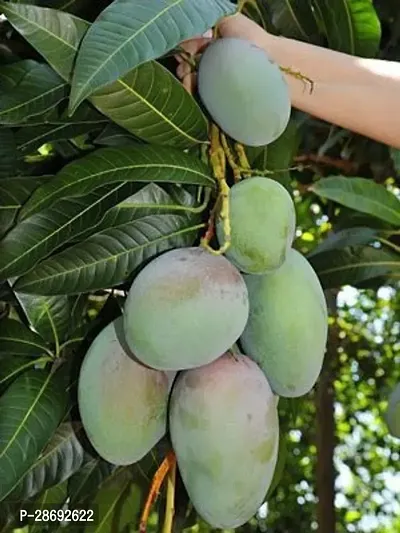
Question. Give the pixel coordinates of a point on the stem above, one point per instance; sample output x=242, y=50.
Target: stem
x=170, y=504
x=389, y=244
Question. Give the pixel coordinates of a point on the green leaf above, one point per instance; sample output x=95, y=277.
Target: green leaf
x=362, y=195
x=140, y=163
x=107, y=258
x=54, y=34
x=294, y=19
x=153, y=105
x=48, y=315
x=8, y=153
x=118, y=504
x=38, y=236
x=113, y=135
x=52, y=498
x=279, y=155
x=345, y=238
x=17, y=339
x=62, y=457
x=84, y=483
x=12, y=366
x=352, y=266
x=28, y=88
x=145, y=31
x=14, y=192
x=351, y=26
x=30, y=411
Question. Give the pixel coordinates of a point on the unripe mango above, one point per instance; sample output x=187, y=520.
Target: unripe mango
x=225, y=433
x=123, y=404
x=393, y=412
x=287, y=329
x=244, y=91
x=184, y=309
x=263, y=224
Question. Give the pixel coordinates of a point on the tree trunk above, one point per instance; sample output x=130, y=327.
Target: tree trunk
x=325, y=433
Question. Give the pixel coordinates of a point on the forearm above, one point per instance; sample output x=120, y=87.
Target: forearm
x=362, y=95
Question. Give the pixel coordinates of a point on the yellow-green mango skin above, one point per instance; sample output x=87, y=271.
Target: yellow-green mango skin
x=225, y=432
x=287, y=329
x=244, y=91
x=122, y=403
x=393, y=412
x=185, y=309
x=263, y=224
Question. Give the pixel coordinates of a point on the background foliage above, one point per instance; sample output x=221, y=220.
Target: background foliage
x=102, y=167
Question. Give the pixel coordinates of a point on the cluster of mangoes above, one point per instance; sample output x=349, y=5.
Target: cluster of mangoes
x=207, y=343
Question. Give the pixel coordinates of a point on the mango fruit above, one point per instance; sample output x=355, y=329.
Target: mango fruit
x=286, y=333
x=225, y=432
x=263, y=224
x=393, y=412
x=123, y=404
x=185, y=309
x=244, y=91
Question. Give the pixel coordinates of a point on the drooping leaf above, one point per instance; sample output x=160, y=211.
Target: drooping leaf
x=55, y=34
x=30, y=411
x=278, y=156
x=294, y=19
x=48, y=315
x=86, y=481
x=351, y=26
x=362, y=195
x=17, y=339
x=140, y=163
x=145, y=31
x=62, y=457
x=27, y=89
x=14, y=192
x=38, y=236
x=8, y=153
x=153, y=105
x=345, y=238
x=352, y=266
x=107, y=258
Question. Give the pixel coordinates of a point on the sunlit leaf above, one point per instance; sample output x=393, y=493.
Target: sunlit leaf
x=362, y=195
x=145, y=31
x=345, y=238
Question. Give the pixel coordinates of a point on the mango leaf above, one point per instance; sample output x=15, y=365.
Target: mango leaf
x=294, y=19
x=279, y=155
x=107, y=258
x=28, y=88
x=30, y=411
x=55, y=34
x=345, y=238
x=351, y=26
x=140, y=163
x=362, y=195
x=352, y=266
x=17, y=339
x=8, y=153
x=152, y=104
x=52, y=498
x=118, y=504
x=169, y=115
x=145, y=31
x=49, y=315
x=38, y=236
x=113, y=135
x=395, y=155
x=12, y=366
x=14, y=192
x=86, y=481
x=62, y=457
